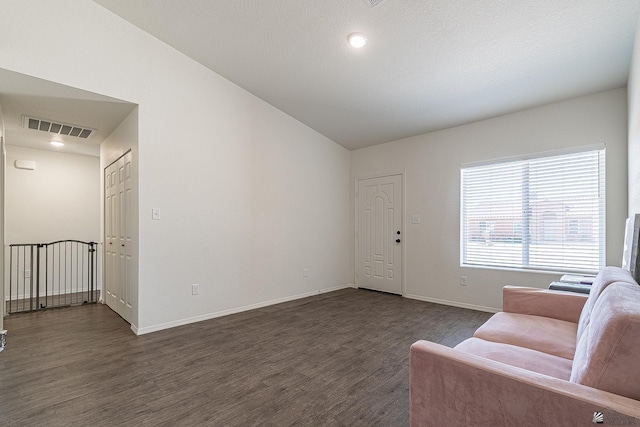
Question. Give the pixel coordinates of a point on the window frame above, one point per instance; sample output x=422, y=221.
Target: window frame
x=524, y=266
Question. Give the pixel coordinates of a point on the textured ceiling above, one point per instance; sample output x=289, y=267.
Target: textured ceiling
x=428, y=64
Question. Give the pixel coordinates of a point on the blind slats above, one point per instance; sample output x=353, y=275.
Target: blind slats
x=543, y=213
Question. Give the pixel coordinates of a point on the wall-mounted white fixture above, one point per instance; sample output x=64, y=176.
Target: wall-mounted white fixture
x=357, y=40
x=57, y=143
x=25, y=164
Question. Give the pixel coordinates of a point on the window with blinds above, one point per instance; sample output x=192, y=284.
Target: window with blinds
x=543, y=213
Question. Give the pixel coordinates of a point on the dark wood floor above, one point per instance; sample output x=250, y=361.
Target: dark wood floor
x=338, y=359
x=17, y=305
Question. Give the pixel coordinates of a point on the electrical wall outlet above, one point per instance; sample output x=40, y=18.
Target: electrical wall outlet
x=305, y=273
x=195, y=289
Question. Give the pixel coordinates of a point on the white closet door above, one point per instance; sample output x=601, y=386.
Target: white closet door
x=118, y=237
x=112, y=292
x=127, y=241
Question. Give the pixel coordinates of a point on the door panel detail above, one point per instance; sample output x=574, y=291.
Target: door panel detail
x=379, y=223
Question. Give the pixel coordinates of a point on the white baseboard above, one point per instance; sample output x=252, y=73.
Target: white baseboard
x=208, y=316
x=453, y=303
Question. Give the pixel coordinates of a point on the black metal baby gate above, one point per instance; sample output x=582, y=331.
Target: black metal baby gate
x=47, y=275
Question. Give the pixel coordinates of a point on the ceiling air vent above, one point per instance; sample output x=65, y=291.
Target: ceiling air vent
x=372, y=3
x=57, y=128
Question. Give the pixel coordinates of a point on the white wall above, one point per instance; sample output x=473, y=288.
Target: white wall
x=58, y=200
x=249, y=196
x=432, y=164
x=634, y=127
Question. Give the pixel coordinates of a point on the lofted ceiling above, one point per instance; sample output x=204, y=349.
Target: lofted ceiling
x=22, y=95
x=428, y=64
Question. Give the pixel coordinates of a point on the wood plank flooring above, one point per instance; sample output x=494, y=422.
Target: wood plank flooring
x=18, y=305
x=337, y=359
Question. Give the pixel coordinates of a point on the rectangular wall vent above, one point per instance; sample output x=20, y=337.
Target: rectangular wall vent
x=57, y=128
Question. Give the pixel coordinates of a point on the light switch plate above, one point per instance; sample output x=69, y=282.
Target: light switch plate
x=415, y=219
x=155, y=214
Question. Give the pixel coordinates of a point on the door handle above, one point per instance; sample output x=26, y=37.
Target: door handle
x=397, y=240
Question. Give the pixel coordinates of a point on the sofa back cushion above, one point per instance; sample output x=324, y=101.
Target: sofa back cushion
x=607, y=276
x=607, y=353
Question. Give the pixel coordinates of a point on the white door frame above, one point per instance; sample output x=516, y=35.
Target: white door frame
x=403, y=221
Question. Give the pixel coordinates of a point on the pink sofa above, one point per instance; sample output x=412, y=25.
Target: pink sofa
x=551, y=358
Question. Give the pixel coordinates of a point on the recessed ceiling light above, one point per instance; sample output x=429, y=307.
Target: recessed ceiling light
x=57, y=143
x=357, y=40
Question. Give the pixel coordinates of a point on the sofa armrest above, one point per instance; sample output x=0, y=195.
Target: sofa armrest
x=453, y=388
x=559, y=305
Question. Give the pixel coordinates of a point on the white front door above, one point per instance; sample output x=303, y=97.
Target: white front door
x=380, y=234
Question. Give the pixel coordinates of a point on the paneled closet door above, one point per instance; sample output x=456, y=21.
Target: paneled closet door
x=110, y=228
x=118, y=237
x=126, y=240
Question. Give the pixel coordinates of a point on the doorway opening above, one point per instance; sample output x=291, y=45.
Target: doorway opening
x=53, y=216
x=52, y=275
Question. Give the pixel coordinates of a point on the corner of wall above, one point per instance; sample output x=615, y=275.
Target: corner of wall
x=3, y=157
x=633, y=149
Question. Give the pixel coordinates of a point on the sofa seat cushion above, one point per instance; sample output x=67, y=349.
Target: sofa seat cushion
x=521, y=357
x=551, y=336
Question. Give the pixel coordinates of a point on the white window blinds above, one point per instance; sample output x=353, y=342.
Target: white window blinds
x=545, y=213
